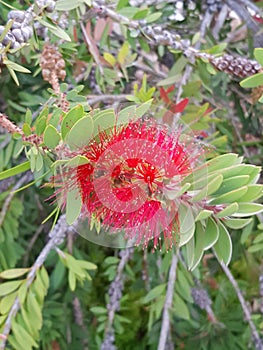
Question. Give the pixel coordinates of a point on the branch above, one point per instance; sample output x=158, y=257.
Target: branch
x=27, y=177
x=57, y=235
x=93, y=99
x=168, y=304
x=156, y=35
x=255, y=336
x=115, y=293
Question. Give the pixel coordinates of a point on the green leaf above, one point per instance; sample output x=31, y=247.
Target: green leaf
x=51, y=136
x=67, y=5
x=252, y=82
x=187, y=224
x=153, y=17
x=70, y=119
x=35, y=315
x=258, y=53
x=40, y=125
x=143, y=108
x=127, y=114
x=232, y=183
x=154, y=293
x=74, y=205
x=230, y=197
x=211, y=187
x=171, y=193
x=13, y=75
x=22, y=292
x=111, y=260
x=228, y=210
x=9, y=287
x=72, y=280
x=7, y=302
x=98, y=310
x=248, y=209
x=237, y=223
x=103, y=120
x=23, y=337
x=16, y=67
x=77, y=161
x=223, y=161
x=81, y=133
x=180, y=308
x=56, y=30
x=203, y=214
x=183, y=286
x=256, y=248
x=140, y=14
x=253, y=192
x=73, y=264
x=87, y=265
x=223, y=246
x=15, y=170
x=199, y=245
x=13, y=273
x=26, y=129
x=190, y=247
x=211, y=234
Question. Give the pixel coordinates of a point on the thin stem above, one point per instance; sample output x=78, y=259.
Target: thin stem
x=93, y=99
x=91, y=47
x=168, y=304
x=256, y=338
x=27, y=177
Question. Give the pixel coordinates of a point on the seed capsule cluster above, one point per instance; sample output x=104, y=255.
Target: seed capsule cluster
x=21, y=30
x=239, y=66
x=164, y=37
x=201, y=298
x=52, y=63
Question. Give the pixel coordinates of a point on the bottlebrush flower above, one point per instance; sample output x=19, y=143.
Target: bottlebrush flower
x=129, y=171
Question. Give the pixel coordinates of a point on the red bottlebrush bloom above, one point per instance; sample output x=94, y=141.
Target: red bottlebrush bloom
x=123, y=185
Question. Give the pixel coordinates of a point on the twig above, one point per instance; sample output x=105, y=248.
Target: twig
x=104, y=11
x=168, y=304
x=220, y=21
x=91, y=49
x=31, y=244
x=115, y=292
x=57, y=236
x=79, y=319
x=93, y=99
x=255, y=336
x=25, y=178
x=9, y=126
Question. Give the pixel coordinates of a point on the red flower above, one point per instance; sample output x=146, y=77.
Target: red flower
x=123, y=185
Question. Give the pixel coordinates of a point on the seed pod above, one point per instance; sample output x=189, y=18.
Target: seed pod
x=9, y=39
x=18, y=35
x=51, y=6
x=17, y=45
x=16, y=25
x=18, y=16
x=28, y=17
x=27, y=33
x=238, y=66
